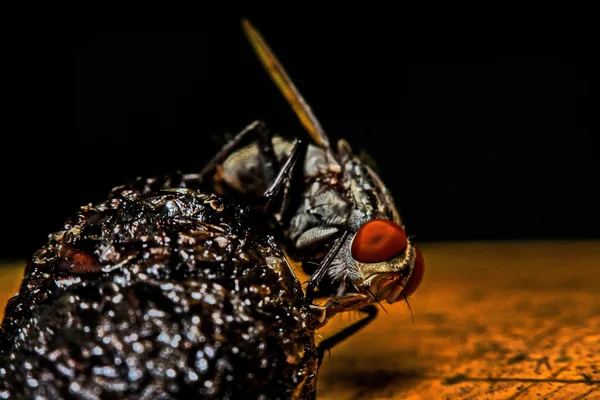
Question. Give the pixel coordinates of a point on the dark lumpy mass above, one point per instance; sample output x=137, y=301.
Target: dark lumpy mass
x=160, y=292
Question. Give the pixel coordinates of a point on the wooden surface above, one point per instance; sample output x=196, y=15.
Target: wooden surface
x=11, y=273
x=492, y=321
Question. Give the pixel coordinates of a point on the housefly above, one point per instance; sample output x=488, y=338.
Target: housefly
x=329, y=206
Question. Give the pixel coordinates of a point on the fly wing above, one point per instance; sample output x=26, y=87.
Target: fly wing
x=285, y=85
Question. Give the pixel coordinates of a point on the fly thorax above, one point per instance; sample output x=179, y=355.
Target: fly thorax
x=369, y=193
x=322, y=205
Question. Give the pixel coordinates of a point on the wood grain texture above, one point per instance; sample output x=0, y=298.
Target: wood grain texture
x=502, y=320
x=492, y=321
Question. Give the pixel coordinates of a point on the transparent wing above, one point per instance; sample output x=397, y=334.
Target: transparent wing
x=285, y=85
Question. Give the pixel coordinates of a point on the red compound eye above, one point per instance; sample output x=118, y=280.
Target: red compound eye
x=378, y=240
x=417, y=274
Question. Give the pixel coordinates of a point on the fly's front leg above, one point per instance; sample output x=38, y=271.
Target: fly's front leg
x=324, y=266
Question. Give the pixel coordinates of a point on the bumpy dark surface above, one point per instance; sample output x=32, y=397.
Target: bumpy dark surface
x=160, y=292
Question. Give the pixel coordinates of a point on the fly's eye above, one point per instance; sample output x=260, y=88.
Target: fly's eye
x=378, y=240
x=417, y=274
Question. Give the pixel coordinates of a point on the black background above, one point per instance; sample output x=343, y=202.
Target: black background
x=481, y=119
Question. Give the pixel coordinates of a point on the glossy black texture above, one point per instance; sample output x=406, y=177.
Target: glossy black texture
x=160, y=292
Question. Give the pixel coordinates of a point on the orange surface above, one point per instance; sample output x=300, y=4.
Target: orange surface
x=492, y=321
x=11, y=274
x=504, y=320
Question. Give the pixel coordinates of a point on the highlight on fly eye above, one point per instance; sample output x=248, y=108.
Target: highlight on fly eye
x=417, y=274
x=378, y=240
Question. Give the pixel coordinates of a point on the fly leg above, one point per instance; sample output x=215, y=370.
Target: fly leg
x=321, y=270
x=330, y=342
x=283, y=182
x=266, y=152
x=286, y=186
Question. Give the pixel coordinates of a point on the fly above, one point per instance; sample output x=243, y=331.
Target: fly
x=328, y=206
